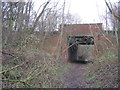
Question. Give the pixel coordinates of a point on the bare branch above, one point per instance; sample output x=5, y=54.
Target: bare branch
x=111, y=10
x=35, y=23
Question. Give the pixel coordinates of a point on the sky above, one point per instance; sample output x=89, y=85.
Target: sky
x=87, y=9
x=90, y=11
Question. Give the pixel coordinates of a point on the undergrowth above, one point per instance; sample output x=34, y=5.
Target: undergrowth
x=103, y=73
x=30, y=66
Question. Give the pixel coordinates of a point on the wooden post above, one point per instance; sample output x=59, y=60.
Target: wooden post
x=0, y=27
x=119, y=41
x=62, y=26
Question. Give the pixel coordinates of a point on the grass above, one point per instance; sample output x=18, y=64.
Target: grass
x=86, y=74
x=40, y=68
x=91, y=78
x=63, y=69
x=104, y=64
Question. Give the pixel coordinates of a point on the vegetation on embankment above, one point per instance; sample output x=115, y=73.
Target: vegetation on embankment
x=104, y=71
x=27, y=65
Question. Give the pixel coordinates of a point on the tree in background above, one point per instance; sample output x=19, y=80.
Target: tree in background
x=72, y=19
x=115, y=18
x=16, y=19
x=111, y=17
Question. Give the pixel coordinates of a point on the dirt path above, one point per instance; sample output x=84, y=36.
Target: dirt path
x=74, y=78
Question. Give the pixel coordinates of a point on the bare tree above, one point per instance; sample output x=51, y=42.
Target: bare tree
x=72, y=19
x=112, y=11
x=115, y=16
x=37, y=19
x=15, y=18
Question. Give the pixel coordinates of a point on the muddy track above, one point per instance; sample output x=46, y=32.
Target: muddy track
x=74, y=78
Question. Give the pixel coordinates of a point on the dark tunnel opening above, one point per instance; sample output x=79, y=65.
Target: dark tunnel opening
x=73, y=42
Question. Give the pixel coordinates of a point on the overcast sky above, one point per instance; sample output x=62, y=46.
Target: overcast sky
x=90, y=11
